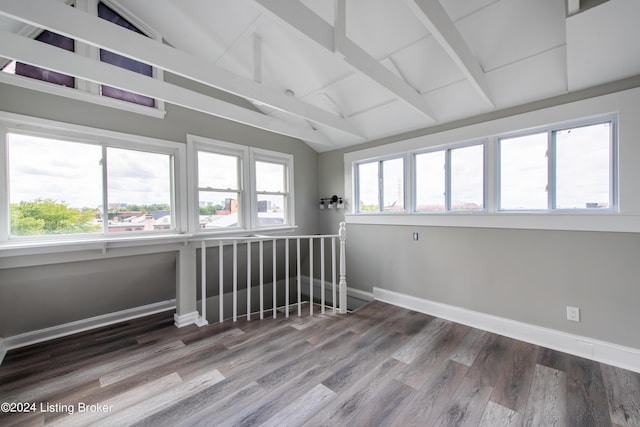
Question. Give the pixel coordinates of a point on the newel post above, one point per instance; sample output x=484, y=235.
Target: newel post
x=342, y=286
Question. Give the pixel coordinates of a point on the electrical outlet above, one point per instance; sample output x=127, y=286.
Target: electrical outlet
x=573, y=314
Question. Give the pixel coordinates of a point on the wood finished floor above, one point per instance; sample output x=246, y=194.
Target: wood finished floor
x=382, y=365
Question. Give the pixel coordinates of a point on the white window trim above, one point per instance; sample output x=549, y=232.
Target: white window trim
x=406, y=165
x=248, y=217
x=258, y=154
x=88, y=91
x=552, y=166
x=610, y=220
x=26, y=124
x=447, y=190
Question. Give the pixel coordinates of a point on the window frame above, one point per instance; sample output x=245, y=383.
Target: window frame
x=447, y=149
x=262, y=155
x=248, y=210
x=551, y=132
x=621, y=218
x=11, y=123
x=380, y=161
x=87, y=91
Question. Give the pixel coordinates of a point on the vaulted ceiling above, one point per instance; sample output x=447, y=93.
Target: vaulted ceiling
x=351, y=71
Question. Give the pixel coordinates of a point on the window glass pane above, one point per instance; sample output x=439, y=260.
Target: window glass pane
x=270, y=177
x=110, y=15
x=368, y=187
x=524, y=172
x=583, y=167
x=467, y=178
x=393, y=184
x=55, y=186
x=430, y=181
x=43, y=74
x=138, y=190
x=271, y=209
x=218, y=171
x=218, y=209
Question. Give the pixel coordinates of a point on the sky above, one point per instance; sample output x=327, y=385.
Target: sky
x=71, y=172
x=583, y=172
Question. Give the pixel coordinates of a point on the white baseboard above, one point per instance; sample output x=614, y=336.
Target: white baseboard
x=186, y=319
x=328, y=286
x=33, y=337
x=589, y=348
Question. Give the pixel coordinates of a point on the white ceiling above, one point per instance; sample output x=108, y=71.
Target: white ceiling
x=402, y=78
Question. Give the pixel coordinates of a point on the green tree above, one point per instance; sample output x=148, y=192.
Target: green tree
x=47, y=216
x=209, y=210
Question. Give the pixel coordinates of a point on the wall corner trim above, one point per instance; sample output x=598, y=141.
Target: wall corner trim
x=589, y=348
x=33, y=337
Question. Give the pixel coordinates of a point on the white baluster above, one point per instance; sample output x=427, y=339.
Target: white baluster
x=286, y=277
x=235, y=280
x=333, y=273
x=274, y=278
x=299, y=281
x=221, y=280
x=203, y=279
x=310, y=276
x=248, y=280
x=343, y=268
x=322, y=274
x=261, y=246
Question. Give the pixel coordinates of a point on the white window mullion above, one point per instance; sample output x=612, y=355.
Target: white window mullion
x=105, y=196
x=447, y=180
x=5, y=205
x=551, y=161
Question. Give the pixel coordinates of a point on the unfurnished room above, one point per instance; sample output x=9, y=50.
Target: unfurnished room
x=320, y=213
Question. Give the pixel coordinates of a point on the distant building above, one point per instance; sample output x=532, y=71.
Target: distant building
x=230, y=206
x=264, y=205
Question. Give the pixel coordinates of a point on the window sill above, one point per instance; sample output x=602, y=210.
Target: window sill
x=606, y=222
x=40, y=247
x=28, y=252
x=79, y=95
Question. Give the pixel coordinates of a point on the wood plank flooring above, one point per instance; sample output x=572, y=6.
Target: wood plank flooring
x=382, y=365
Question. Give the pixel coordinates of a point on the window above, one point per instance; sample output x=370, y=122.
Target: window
x=219, y=190
x=524, y=172
x=238, y=187
x=43, y=74
x=467, y=178
x=558, y=168
x=62, y=185
x=106, y=13
x=459, y=169
x=380, y=186
x=83, y=89
x=430, y=181
x=271, y=192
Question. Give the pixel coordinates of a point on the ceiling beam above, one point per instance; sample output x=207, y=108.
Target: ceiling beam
x=435, y=19
x=306, y=22
x=71, y=22
x=27, y=50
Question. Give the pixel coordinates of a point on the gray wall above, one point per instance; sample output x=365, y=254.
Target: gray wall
x=524, y=275
x=33, y=298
